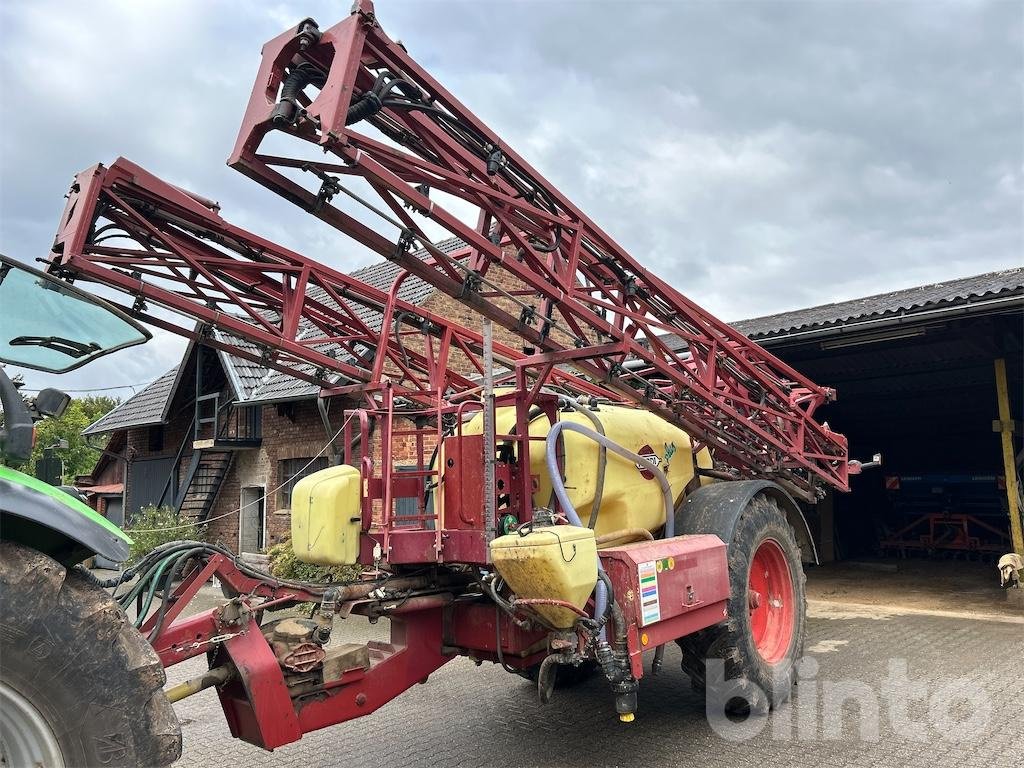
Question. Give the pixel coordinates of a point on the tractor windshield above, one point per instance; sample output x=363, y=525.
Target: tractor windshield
x=48, y=325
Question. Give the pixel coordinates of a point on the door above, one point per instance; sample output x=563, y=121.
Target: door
x=252, y=524
x=147, y=479
x=115, y=514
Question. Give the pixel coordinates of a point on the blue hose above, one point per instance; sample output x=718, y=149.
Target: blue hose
x=557, y=484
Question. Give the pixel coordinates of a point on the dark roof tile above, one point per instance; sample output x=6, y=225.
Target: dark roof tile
x=962, y=291
x=273, y=386
x=146, y=407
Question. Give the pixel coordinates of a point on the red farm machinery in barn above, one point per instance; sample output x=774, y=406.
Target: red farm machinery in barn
x=585, y=497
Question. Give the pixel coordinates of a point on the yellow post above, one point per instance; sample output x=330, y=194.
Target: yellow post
x=1009, y=467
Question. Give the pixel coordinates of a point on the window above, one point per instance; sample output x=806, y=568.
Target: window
x=290, y=471
x=156, y=438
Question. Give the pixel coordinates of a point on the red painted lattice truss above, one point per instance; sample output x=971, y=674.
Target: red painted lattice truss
x=127, y=229
x=755, y=412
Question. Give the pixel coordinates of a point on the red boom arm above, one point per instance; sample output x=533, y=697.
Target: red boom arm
x=593, y=303
x=127, y=229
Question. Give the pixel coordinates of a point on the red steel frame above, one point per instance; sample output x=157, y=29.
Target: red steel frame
x=426, y=633
x=125, y=228
x=752, y=410
x=945, y=531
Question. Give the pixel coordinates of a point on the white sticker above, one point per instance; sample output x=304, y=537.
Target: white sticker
x=650, y=607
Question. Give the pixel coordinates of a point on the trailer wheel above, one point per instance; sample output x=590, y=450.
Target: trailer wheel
x=761, y=642
x=79, y=686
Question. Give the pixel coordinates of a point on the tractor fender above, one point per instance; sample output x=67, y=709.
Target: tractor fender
x=716, y=507
x=55, y=523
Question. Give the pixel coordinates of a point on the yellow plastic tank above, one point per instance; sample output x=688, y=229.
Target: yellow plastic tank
x=555, y=561
x=632, y=498
x=326, y=516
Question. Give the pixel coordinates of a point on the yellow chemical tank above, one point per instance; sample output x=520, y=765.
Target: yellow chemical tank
x=326, y=516
x=555, y=561
x=631, y=498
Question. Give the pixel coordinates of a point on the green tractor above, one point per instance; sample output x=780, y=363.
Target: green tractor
x=79, y=685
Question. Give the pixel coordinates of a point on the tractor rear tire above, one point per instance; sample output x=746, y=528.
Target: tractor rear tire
x=761, y=642
x=79, y=686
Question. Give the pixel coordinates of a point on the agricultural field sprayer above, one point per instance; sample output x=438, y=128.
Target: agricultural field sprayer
x=583, y=496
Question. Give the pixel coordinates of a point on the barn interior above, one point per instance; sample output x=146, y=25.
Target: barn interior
x=919, y=375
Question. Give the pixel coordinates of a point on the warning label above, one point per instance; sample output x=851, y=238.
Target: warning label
x=650, y=606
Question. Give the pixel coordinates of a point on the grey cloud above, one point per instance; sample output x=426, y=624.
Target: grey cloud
x=763, y=155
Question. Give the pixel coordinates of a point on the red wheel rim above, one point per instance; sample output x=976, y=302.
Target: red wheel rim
x=770, y=601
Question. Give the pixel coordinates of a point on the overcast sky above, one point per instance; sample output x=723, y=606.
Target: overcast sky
x=763, y=155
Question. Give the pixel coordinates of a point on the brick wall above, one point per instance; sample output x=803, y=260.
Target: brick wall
x=290, y=431
x=459, y=314
x=447, y=306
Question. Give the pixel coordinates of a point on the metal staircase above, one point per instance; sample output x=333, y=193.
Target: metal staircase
x=204, y=477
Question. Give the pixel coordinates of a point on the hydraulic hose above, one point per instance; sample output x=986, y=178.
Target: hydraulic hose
x=602, y=459
x=558, y=486
x=180, y=561
x=297, y=79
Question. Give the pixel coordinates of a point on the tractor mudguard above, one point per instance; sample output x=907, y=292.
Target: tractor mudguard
x=51, y=521
x=715, y=508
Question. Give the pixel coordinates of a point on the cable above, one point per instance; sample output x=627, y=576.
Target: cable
x=98, y=389
x=498, y=642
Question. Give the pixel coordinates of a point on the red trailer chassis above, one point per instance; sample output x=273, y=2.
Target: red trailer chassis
x=170, y=249
x=269, y=705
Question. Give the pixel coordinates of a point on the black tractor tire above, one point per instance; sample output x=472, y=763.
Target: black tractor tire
x=69, y=650
x=752, y=684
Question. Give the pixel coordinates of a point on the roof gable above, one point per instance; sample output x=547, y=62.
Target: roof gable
x=261, y=384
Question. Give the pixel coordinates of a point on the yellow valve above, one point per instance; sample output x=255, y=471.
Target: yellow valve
x=627, y=717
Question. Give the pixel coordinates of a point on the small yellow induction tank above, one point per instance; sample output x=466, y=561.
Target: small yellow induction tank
x=553, y=561
x=327, y=517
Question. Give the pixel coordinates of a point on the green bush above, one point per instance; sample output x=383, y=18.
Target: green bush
x=285, y=565
x=152, y=526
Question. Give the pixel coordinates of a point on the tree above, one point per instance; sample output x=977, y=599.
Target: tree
x=79, y=457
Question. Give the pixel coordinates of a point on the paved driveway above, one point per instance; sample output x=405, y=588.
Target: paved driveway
x=919, y=690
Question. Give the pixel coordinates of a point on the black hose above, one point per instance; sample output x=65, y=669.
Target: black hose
x=368, y=105
x=373, y=100
x=287, y=109
x=92, y=579
x=497, y=642
x=548, y=247
x=172, y=574
x=161, y=552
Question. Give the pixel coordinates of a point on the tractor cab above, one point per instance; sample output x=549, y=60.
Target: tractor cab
x=51, y=326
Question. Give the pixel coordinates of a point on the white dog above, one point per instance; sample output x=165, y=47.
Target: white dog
x=1010, y=567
